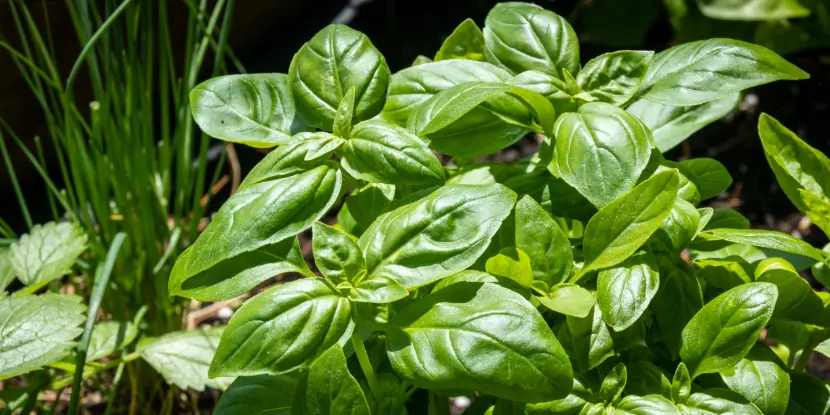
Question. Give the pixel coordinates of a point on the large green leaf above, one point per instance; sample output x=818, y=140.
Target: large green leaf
x=47, y=252
x=777, y=241
x=335, y=60
x=625, y=291
x=796, y=298
x=698, y=72
x=601, y=150
x=283, y=329
x=671, y=125
x=336, y=255
x=718, y=402
x=615, y=77
x=260, y=395
x=761, y=380
x=436, y=236
x=37, y=330
x=481, y=337
x=625, y=224
x=329, y=389
x=709, y=176
x=413, y=86
x=183, y=357
x=752, y=9
x=677, y=301
x=465, y=42
x=304, y=152
x=591, y=339
x=524, y=36
x=251, y=236
x=726, y=328
x=254, y=109
x=538, y=235
x=381, y=153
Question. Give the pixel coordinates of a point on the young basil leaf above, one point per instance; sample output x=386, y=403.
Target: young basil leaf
x=752, y=9
x=796, y=298
x=613, y=384
x=336, y=59
x=718, y=401
x=601, y=150
x=727, y=218
x=413, y=86
x=436, y=236
x=381, y=153
x=679, y=228
x=465, y=42
x=482, y=337
x=254, y=223
x=725, y=273
x=709, y=176
x=47, y=252
x=550, y=87
x=706, y=215
x=760, y=380
x=581, y=400
x=592, y=342
x=622, y=226
x=524, y=36
x=671, y=125
x=337, y=256
x=765, y=239
x=252, y=109
x=795, y=163
x=183, y=357
x=645, y=405
x=538, y=235
x=681, y=385
x=368, y=203
x=377, y=290
x=109, y=337
x=698, y=72
x=465, y=276
x=724, y=330
x=37, y=330
x=615, y=77
x=513, y=264
x=304, y=152
x=625, y=291
x=686, y=189
x=808, y=395
x=283, y=329
x=645, y=378
x=677, y=301
x=328, y=388
x=342, y=126
x=569, y=299
x=421, y=60
x=263, y=394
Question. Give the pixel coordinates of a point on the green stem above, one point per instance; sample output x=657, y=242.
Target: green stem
x=366, y=366
x=804, y=358
x=94, y=370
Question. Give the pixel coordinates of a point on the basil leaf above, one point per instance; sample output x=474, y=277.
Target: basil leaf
x=336, y=59
x=626, y=290
x=698, y=72
x=577, y=402
x=817, y=209
x=524, y=36
x=342, y=126
x=727, y=218
x=328, y=388
x=47, y=252
x=796, y=298
x=765, y=239
x=613, y=384
x=421, y=60
x=283, y=329
x=679, y=228
x=645, y=378
x=413, y=86
x=623, y=225
x=550, y=87
x=183, y=357
x=263, y=394
x=601, y=150
x=109, y=337
x=252, y=109
x=513, y=264
x=752, y=9
x=482, y=337
x=37, y=330
x=795, y=163
x=368, y=203
x=592, y=342
x=709, y=176
x=337, y=256
x=465, y=42
x=569, y=299
x=436, y=236
x=681, y=386
x=382, y=153
x=677, y=301
x=717, y=402
x=646, y=405
x=808, y=395
x=538, y=235
x=615, y=77
x=724, y=330
x=251, y=226
x=725, y=274
x=760, y=380
x=465, y=276
x=304, y=152
x=377, y=290
x=671, y=125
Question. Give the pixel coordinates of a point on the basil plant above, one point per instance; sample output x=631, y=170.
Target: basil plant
x=583, y=280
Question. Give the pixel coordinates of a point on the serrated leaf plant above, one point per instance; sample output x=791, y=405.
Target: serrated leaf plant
x=584, y=279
